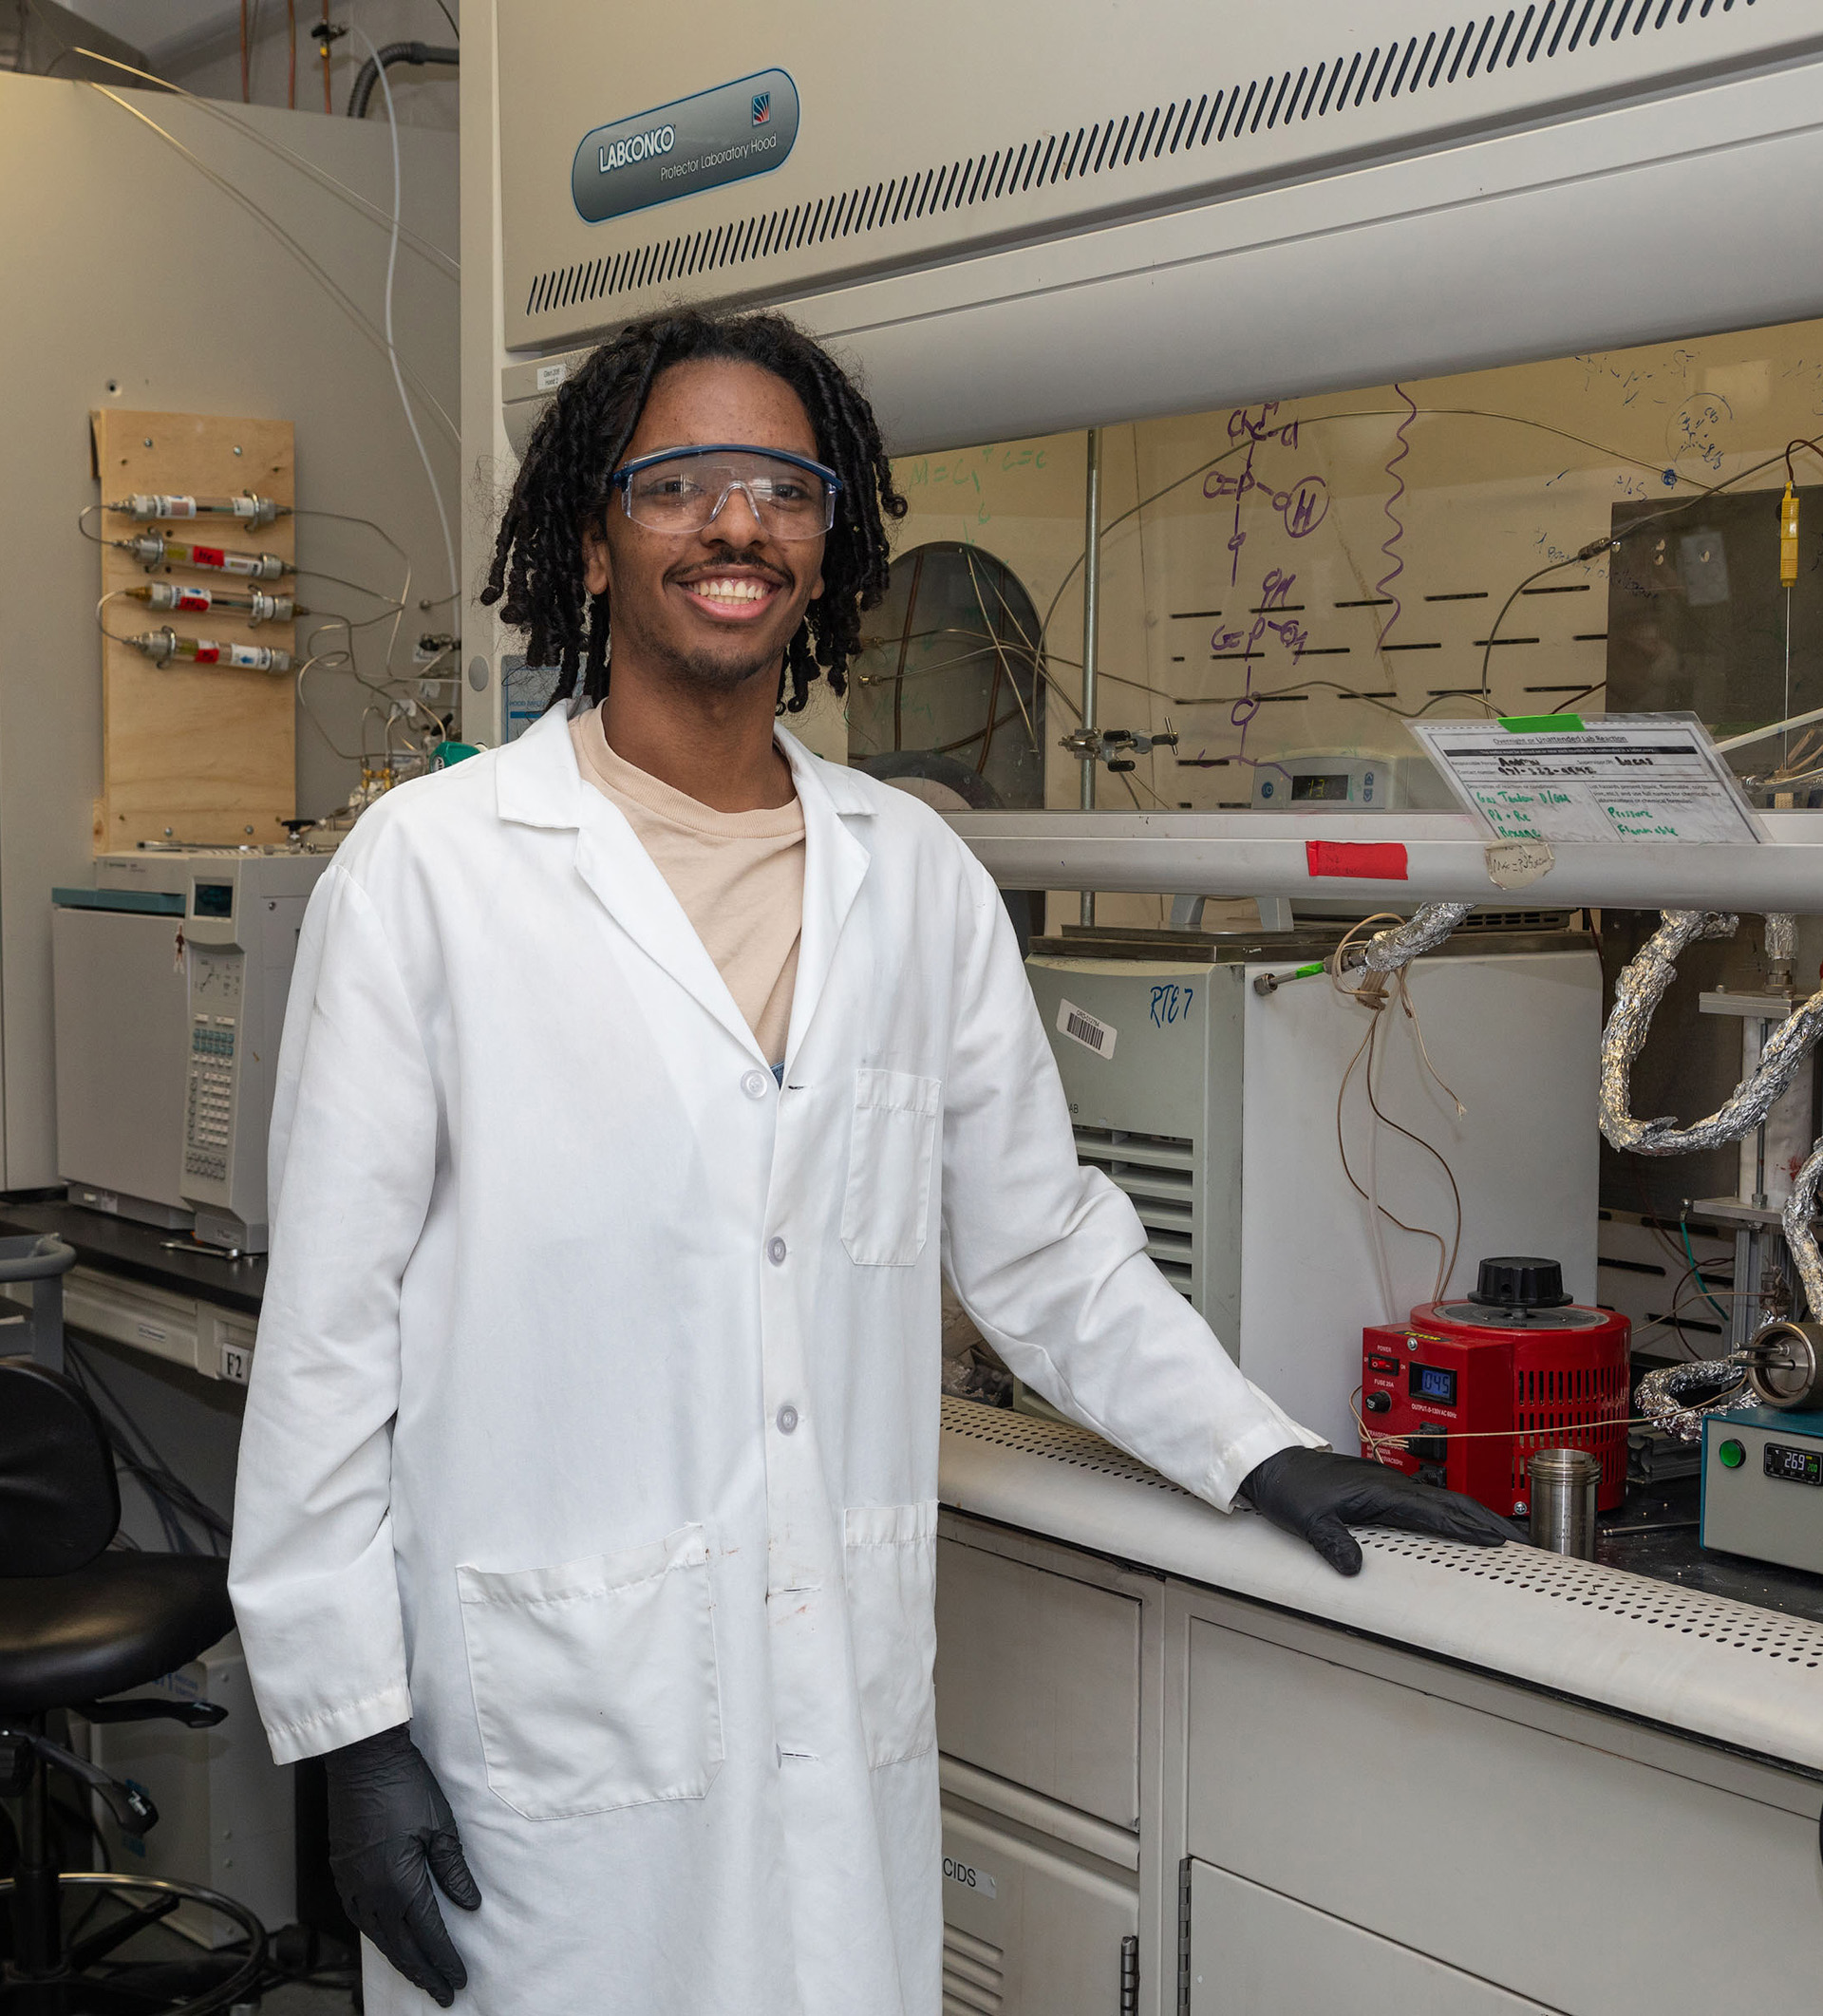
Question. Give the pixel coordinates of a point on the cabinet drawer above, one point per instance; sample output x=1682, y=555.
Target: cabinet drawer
x=1038, y=1681
x=131, y=1312
x=1253, y=1952
x=1493, y=1845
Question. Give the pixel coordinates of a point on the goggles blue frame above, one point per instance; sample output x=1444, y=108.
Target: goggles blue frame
x=624, y=474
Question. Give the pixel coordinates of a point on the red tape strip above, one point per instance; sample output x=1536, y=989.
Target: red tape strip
x=1360, y=860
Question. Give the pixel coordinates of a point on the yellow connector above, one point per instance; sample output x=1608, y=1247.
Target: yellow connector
x=1788, y=539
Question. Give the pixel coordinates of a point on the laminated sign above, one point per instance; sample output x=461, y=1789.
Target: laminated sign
x=1645, y=779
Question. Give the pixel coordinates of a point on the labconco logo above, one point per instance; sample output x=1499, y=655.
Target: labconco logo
x=637, y=147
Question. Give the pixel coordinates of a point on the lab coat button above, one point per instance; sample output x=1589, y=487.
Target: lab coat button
x=787, y=1418
x=776, y=1251
x=754, y=1085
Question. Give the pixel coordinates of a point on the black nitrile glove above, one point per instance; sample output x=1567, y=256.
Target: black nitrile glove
x=390, y=1831
x=1318, y=1495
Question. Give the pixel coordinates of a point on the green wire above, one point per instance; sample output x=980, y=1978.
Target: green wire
x=1683, y=1232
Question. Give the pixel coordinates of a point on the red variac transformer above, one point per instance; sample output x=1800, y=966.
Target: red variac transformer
x=1473, y=1387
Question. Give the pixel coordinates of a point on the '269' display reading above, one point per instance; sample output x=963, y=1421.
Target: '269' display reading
x=1794, y=1466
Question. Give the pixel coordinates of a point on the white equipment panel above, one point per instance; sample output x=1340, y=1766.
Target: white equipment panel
x=122, y=1023
x=168, y=1030
x=639, y=167
x=1538, y=200
x=1213, y=1106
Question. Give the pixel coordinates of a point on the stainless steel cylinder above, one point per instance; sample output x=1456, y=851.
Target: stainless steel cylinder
x=1563, y=1482
x=1787, y=1369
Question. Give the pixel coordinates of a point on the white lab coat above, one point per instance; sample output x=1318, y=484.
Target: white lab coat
x=594, y=1418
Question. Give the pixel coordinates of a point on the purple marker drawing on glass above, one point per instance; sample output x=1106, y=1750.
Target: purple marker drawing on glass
x=1393, y=461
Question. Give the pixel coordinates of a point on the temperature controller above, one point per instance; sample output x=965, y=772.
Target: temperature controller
x=1756, y=1462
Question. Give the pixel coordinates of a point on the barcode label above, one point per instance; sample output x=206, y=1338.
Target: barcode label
x=1089, y=1031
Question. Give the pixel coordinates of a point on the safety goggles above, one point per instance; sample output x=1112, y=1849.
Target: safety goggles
x=682, y=490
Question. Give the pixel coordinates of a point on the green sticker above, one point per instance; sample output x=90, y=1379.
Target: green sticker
x=1541, y=724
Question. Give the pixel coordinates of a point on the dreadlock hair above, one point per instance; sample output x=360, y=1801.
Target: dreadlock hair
x=562, y=490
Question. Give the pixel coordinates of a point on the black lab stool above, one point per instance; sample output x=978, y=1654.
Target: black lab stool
x=79, y=1622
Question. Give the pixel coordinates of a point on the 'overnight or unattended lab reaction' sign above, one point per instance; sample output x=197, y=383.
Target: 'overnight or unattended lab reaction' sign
x=1647, y=779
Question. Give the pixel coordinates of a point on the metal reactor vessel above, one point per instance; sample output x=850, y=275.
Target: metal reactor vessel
x=1473, y=1387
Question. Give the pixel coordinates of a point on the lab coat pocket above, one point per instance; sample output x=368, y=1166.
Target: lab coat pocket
x=891, y=1147
x=891, y=1576
x=594, y=1681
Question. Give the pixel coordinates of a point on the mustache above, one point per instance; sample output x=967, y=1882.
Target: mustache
x=727, y=556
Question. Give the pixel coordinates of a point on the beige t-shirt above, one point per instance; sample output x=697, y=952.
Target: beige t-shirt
x=739, y=876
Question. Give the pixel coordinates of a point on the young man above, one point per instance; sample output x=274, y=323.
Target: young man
x=642, y=1080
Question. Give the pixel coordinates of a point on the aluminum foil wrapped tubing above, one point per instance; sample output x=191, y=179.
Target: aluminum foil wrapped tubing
x=1661, y=1393
x=1636, y=994
x=1800, y=1230
x=1427, y=927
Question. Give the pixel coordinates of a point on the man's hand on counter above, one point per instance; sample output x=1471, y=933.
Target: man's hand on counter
x=1318, y=1495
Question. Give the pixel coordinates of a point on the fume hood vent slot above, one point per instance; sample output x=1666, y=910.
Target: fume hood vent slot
x=1453, y=55
x=1483, y=922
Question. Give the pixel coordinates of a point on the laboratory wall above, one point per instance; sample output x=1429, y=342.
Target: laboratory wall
x=208, y=59
x=166, y=255
x=1306, y=575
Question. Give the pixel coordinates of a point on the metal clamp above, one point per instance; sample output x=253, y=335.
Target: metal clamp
x=1116, y=747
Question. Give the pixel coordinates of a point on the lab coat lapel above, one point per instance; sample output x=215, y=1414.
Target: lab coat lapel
x=834, y=865
x=541, y=785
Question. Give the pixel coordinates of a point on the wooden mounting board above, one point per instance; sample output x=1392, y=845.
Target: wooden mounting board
x=190, y=752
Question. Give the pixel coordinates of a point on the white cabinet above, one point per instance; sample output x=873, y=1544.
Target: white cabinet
x=1351, y=1828
x=1253, y=1952
x=1030, y=1928
x=1039, y=1724
x=1572, y=1857
x=1038, y=1681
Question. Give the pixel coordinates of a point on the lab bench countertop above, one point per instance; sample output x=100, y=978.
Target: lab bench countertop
x=1728, y=1652
x=1655, y=1534
x=167, y=1261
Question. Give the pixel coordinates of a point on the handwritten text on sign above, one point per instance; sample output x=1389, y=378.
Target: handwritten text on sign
x=1650, y=779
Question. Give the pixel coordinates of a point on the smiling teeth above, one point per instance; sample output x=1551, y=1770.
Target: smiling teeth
x=731, y=589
